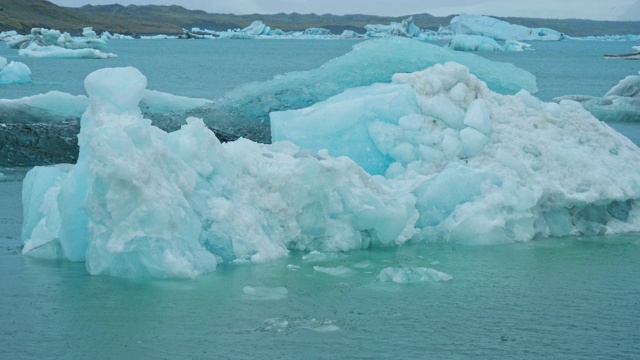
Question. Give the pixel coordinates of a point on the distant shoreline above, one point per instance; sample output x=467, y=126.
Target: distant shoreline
x=21, y=16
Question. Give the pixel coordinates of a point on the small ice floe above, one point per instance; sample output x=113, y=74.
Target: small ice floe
x=265, y=293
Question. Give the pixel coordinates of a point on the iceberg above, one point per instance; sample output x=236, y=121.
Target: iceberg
x=483, y=43
x=49, y=37
x=56, y=106
x=317, y=32
x=52, y=51
x=43, y=129
x=406, y=28
x=257, y=28
x=14, y=72
x=620, y=104
x=484, y=167
x=143, y=202
x=463, y=164
x=468, y=24
x=245, y=110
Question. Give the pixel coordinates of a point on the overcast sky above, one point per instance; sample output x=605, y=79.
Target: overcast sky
x=580, y=9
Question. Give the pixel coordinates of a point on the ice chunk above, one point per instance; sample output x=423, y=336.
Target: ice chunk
x=499, y=168
x=406, y=28
x=484, y=43
x=468, y=24
x=412, y=275
x=339, y=271
x=52, y=51
x=159, y=102
x=257, y=28
x=142, y=202
x=174, y=205
x=247, y=108
x=50, y=37
x=14, y=72
x=473, y=43
x=317, y=31
x=620, y=104
x=265, y=293
x=348, y=134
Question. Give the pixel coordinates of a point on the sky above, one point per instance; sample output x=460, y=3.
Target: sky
x=558, y=9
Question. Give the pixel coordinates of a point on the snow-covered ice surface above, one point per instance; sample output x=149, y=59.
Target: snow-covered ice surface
x=465, y=164
x=620, y=104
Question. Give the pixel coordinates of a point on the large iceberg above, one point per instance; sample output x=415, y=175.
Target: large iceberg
x=143, y=202
x=468, y=24
x=620, y=104
x=483, y=167
x=457, y=162
x=248, y=107
x=14, y=72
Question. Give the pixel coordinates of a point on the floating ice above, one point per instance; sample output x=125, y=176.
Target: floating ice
x=463, y=164
x=412, y=275
x=371, y=61
x=484, y=167
x=158, y=204
x=14, y=72
x=265, y=293
x=52, y=51
x=56, y=106
x=620, y=104
x=483, y=43
x=406, y=28
x=257, y=28
x=468, y=24
x=338, y=271
x=48, y=37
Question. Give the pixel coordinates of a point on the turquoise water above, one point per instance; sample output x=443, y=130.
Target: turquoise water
x=572, y=298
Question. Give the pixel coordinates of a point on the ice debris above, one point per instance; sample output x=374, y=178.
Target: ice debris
x=412, y=275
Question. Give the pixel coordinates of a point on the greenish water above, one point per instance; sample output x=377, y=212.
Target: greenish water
x=573, y=298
